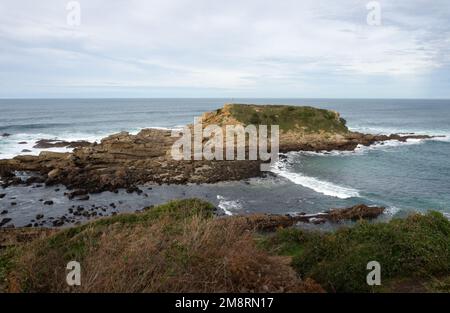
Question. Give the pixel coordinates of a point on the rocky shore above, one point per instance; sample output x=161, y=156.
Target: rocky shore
x=125, y=161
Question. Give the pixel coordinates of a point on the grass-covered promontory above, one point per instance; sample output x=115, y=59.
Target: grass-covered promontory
x=290, y=118
x=183, y=247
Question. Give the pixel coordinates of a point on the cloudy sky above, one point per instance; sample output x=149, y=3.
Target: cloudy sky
x=217, y=48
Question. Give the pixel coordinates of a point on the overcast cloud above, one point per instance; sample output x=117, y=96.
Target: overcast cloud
x=210, y=48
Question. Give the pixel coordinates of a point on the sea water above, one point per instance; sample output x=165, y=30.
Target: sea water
x=404, y=177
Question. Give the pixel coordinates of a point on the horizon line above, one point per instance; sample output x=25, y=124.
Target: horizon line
x=221, y=98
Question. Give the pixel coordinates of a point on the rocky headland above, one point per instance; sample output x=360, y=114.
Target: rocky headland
x=124, y=160
x=188, y=245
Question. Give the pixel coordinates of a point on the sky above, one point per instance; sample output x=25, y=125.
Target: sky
x=212, y=48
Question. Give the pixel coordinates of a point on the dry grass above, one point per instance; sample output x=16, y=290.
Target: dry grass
x=158, y=252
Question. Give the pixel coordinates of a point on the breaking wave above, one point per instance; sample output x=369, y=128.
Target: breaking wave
x=228, y=205
x=320, y=186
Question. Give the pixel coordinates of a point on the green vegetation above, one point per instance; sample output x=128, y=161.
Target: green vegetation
x=181, y=247
x=176, y=247
x=300, y=118
x=417, y=247
x=7, y=257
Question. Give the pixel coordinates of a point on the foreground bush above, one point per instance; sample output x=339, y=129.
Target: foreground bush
x=411, y=250
x=181, y=247
x=177, y=247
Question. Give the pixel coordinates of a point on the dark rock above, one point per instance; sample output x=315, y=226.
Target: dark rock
x=2, y=195
x=360, y=211
x=78, y=192
x=6, y=135
x=50, y=143
x=39, y=216
x=4, y=212
x=23, y=143
x=58, y=223
x=83, y=198
x=48, y=202
x=5, y=221
x=25, y=151
x=13, y=203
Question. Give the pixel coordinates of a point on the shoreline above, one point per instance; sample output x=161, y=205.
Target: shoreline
x=124, y=161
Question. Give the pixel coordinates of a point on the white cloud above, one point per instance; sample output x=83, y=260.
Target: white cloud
x=236, y=45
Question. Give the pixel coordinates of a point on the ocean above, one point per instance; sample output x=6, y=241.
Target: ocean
x=404, y=177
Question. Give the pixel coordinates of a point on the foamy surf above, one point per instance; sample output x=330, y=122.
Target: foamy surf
x=23, y=144
x=228, y=205
x=320, y=186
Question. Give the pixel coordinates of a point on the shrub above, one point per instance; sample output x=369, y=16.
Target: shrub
x=418, y=246
x=176, y=247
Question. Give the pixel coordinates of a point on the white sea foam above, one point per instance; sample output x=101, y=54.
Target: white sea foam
x=10, y=147
x=320, y=186
x=392, y=210
x=228, y=205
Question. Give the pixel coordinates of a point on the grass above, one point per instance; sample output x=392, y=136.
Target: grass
x=176, y=247
x=299, y=118
x=7, y=257
x=181, y=247
x=417, y=248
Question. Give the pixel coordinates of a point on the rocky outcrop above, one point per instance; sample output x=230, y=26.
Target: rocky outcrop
x=50, y=143
x=269, y=222
x=124, y=161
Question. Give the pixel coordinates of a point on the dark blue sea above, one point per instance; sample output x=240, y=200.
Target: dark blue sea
x=404, y=177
